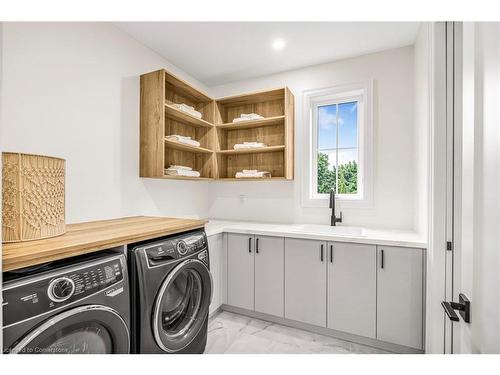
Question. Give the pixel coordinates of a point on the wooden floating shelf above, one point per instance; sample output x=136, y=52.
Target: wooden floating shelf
x=185, y=147
x=178, y=115
x=253, y=150
x=169, y=177
x=269, y=121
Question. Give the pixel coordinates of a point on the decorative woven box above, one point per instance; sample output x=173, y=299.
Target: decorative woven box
x=32, y=197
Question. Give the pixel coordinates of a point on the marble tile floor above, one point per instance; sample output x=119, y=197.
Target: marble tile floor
x=230, y=333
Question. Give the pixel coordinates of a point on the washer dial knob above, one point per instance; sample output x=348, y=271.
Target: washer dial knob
x=182, y=247
x=61, y=289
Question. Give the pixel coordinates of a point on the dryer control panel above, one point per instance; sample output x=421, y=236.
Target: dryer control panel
x=35, y=295
x=176, y=247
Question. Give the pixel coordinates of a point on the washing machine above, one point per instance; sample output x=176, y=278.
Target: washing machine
x=171, y=290
x=76, y=306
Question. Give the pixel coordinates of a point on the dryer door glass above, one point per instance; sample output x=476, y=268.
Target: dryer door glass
x=181, y=306
x=91, y=329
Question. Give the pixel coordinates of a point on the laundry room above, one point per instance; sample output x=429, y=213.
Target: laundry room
x=249, y=187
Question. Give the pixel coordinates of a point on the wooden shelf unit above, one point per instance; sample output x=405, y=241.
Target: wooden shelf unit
x=276, y=130
x=217, y=134
x=159, y=118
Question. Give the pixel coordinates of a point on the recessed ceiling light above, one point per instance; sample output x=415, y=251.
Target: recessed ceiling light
x=278, y=44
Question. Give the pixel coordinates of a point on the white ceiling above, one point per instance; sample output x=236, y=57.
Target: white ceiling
x=220, y=52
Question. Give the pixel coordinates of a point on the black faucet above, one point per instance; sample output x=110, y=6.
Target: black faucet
x=333, y=219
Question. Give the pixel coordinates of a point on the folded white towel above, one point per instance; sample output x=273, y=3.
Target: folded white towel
x=248, y=117
x=248, y=145
x=182, y=139
x=258, y=174
x=182, y=172
x=180, y=136
x=247, y=171
x=180, y=167
x=188, y=109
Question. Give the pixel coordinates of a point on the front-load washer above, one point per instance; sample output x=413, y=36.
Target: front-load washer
x=77, y=306
x=171, y=290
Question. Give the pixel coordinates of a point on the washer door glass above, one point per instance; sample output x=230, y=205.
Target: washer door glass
x=181, y=306
x=90, y=329
x=80, y=338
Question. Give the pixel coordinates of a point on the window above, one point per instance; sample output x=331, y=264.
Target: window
x=337, y=147
x=339, y=152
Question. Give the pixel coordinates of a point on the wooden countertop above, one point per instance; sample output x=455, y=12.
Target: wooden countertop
x=83, y=238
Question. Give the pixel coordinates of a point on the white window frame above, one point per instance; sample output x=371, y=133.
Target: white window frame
x=313, y=99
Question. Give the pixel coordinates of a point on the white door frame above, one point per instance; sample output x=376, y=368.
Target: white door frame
x=445, y=192
x=437, y=193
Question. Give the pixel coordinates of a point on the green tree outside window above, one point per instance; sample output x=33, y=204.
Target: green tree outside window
x=347, y=178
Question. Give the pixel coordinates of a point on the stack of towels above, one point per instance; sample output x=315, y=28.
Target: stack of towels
x=188, y=109
x=247, y=117
x=247, y=145
x=252, y=173
x=183, y=139
x=180, y=170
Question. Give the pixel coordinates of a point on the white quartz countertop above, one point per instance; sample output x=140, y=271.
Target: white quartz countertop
x=319, y=232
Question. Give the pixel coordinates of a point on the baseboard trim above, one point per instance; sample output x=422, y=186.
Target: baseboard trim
x=214, y=313
x=394, y=348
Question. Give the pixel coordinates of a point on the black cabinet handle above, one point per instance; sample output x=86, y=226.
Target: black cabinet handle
x=257, y=245
x=382, y=259
x=331, y=253
x=321, y=252
x=250, y=245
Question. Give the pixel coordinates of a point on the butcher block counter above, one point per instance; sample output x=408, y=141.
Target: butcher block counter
x=92, y=236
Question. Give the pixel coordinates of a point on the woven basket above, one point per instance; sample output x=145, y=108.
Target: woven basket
x=32, y=197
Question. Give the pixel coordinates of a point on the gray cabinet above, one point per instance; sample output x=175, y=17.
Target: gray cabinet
x=269, y=274
x=240, y=270
x=352, y=281
x=400, y=295
x=305, y=281
x=360, y=289
x=256, y=273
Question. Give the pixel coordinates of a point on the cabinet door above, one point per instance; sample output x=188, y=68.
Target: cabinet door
x=269, y=275
x=240, y=271
x=352, y=288
x=399, y=295
x=305, y=281
x=215, y=248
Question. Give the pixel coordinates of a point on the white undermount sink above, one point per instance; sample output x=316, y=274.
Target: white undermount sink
x=326, y=229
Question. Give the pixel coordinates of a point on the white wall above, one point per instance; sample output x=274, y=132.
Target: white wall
x=72, y=90
x=422, y=97
x=485, y=322
x=394, y=156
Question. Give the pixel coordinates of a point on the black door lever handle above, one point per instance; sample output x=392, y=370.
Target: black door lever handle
x=463, y=307
x=452, y=315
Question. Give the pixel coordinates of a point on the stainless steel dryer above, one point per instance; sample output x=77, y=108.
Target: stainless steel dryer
x=77, y=306
x=171, y=290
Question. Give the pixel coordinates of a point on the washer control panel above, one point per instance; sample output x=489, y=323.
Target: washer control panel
x=34, y=295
